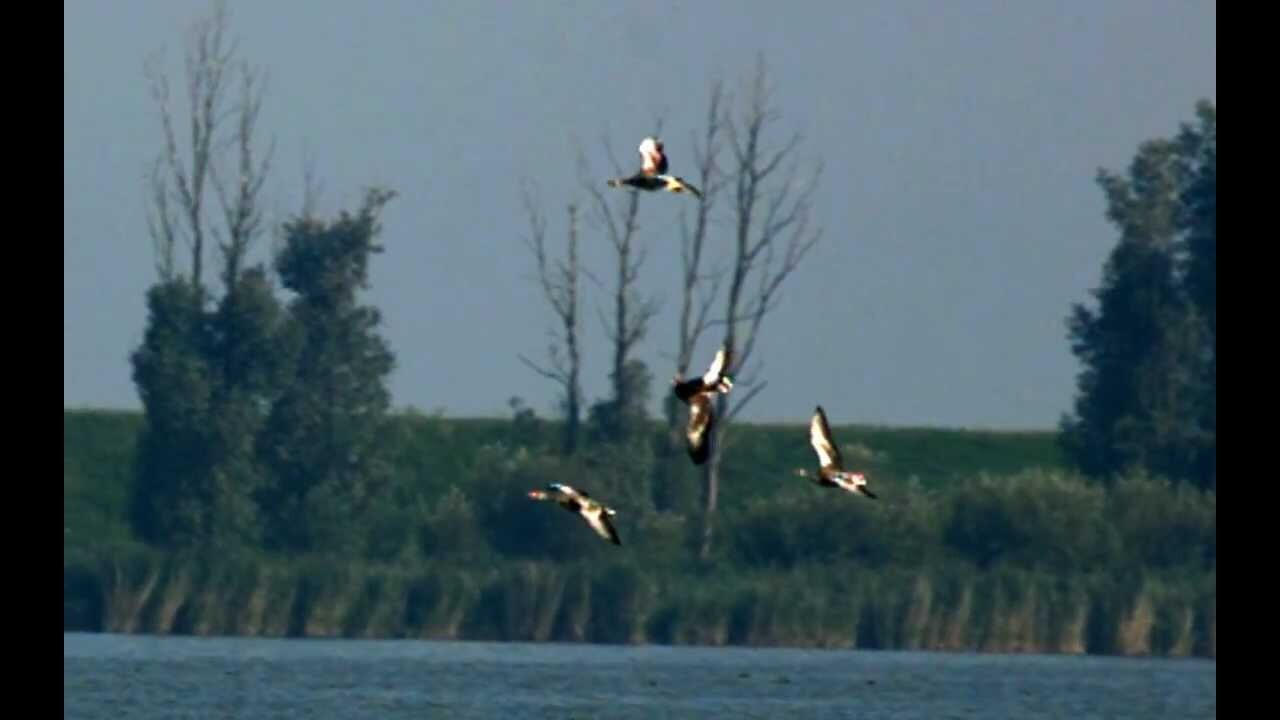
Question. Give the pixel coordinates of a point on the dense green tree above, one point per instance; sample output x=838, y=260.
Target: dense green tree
x=1146, y=350
x=326, y=442
x=252, y=348
x=207, y=369
x=1199, y=222
x=170, y=369
x=206, y=379
x=625, y=415
x=1199, y=218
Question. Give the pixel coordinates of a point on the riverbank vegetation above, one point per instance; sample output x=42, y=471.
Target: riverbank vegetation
x=1035, y=558
x=268, y=487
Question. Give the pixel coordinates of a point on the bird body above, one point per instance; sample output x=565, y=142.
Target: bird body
x=697, y=393
x=595, y=514
x=831, y=471
x=652, y=175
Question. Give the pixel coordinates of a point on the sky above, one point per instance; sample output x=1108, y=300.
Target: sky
x=959, y=210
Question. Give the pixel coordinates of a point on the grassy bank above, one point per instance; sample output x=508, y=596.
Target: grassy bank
x=434, y=454
x=980, y=542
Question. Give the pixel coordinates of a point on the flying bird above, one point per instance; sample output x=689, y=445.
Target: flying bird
x=697, y=394
x=831, y=472
x=581, y=504
x=653, y=172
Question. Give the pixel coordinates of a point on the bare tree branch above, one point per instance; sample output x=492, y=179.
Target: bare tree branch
x=160, y=93
x=694, y=312
x=207, y=62
x=311, y=186
x=771, y=237
x=701, y=322
x=240, y=207
x=644, y=312
x=536, y=242
x=560, y=287
x=772, y=164
x=555, y=374
x=746, y=398
x=161, y=223
x=696, y=299
x=631, y=314
x=609, y=332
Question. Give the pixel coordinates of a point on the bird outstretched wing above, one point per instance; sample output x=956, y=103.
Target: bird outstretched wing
x=653, y=161
x=820, y=439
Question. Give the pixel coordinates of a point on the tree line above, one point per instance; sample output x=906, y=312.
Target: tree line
x=1031, y=558
x=264, y=417
x=1147, y=391
x=267, y=418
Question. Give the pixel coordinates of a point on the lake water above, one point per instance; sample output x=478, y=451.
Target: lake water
x=118, y=677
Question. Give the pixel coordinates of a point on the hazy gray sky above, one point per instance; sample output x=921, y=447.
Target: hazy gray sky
x=960, y=142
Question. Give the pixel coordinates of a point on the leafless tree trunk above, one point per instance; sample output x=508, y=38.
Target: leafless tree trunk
x=696, y=299
x=178, y=182
x=631, y=312
x=560, y=286
x=772, y=234
x=698, y=286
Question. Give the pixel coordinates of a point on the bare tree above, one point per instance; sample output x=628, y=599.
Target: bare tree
x=632, y=313
x=771, y=218
x=179, y=181
x=560, y=286
x=696, y=299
